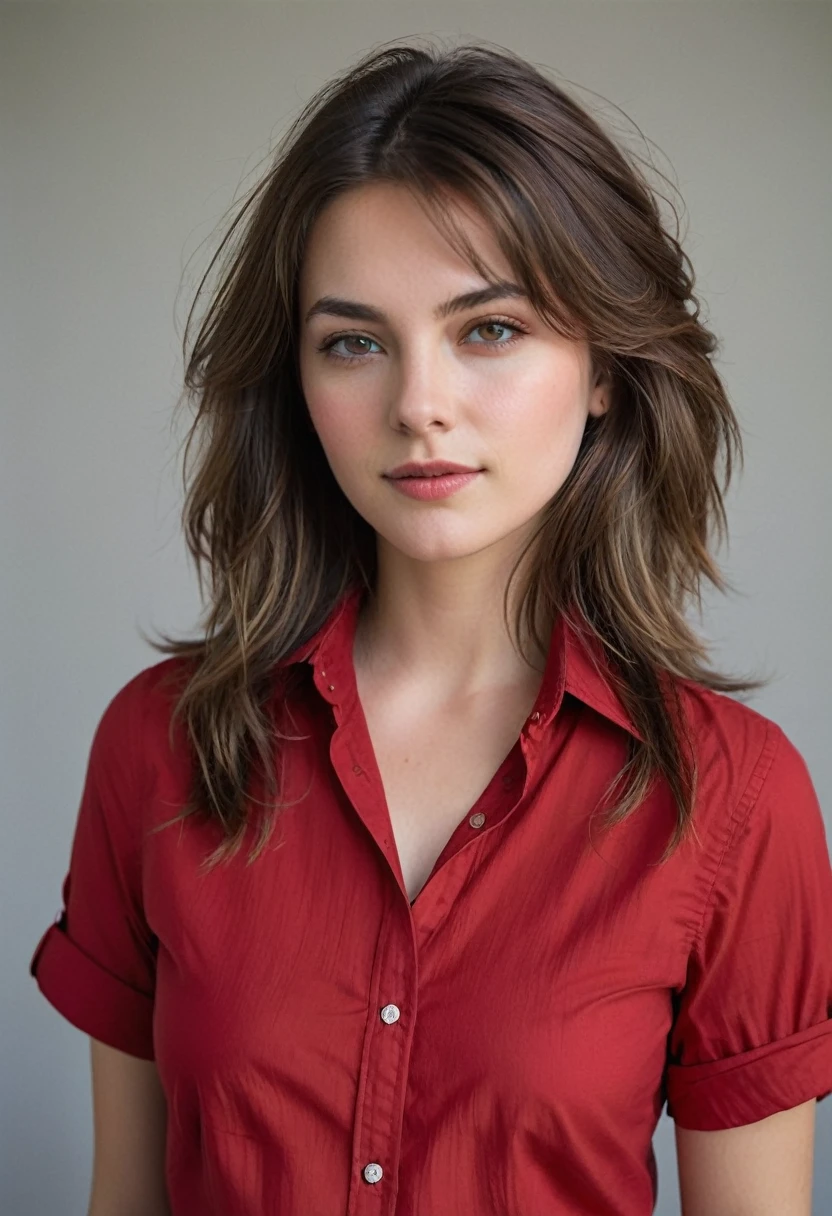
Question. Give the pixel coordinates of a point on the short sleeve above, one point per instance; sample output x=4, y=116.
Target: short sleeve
x=752, y=1028
x=96, y=963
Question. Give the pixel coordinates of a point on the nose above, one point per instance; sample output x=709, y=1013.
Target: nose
x=422, y=398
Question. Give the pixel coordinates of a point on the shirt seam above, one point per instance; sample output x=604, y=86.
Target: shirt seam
x=748, y=800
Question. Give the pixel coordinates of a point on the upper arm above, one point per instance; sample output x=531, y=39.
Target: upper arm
x=97, y=962
x=758, y=1169
x=130, y=1121
x=751, y=1033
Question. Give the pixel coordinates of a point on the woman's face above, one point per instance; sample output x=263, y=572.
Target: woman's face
x=488, y=386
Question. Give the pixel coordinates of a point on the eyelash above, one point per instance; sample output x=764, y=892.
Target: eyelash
x=503, y=322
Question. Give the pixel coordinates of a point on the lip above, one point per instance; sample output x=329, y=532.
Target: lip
x=430, y=468
x=437, y=485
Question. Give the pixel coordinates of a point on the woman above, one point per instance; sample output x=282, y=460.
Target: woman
x=520, y=870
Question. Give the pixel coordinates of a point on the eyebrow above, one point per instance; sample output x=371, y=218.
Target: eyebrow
x=334, y=306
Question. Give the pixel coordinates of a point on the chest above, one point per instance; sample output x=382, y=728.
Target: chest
x=538, y=991
x=532, y=996
x=435, y=766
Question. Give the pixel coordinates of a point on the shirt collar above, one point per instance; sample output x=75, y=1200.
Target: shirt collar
x=587, y=669
x=576, y=664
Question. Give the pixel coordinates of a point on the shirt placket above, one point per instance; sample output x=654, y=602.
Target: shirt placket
x=388, y=1033
x=380, y=1101
x=388, y=1036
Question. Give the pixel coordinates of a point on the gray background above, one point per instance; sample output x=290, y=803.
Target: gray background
x=127, y=131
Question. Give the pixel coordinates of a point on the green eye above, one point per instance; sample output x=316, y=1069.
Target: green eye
x=504, y=323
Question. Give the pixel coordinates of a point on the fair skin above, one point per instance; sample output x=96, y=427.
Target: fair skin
x=489, y=386
x=130, y=1126
x=434, y=664
x=443, y=690
x=759, y=1169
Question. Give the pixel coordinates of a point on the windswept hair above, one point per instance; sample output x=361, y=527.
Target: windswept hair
x=624, y=543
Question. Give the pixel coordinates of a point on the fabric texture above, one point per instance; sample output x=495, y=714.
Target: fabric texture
x=507, y=1043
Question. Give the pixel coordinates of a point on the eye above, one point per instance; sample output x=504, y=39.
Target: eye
x=504, y=323
x=500, y=323
x=328, y=347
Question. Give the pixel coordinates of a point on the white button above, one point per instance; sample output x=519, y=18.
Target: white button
x=390, y=1013
x=476, y=821
x=373, y=1171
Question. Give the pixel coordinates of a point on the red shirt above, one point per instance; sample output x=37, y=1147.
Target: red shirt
x=504, y=1046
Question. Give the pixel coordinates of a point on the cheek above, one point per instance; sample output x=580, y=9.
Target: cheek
x=535, y=437
x=328, y=405
x=342, y=426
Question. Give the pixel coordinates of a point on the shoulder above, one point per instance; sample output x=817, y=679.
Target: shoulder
x=150, y=693
x=745, y=762
x=724, y=729
x=135, y=722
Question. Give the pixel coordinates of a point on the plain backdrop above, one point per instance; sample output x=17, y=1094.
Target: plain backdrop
x=127, y=133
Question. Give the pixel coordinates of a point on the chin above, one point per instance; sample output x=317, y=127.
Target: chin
x=419, y=546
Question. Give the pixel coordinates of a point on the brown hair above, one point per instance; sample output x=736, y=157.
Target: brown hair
x=624, y=542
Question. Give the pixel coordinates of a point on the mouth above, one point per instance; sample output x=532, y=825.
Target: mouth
x=432, y=468
x=435, y=483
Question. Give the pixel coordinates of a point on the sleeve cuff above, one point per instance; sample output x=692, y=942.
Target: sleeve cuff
x=91, y=997
x=753, y=1085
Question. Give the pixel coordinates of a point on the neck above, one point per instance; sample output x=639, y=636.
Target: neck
x=442, y=624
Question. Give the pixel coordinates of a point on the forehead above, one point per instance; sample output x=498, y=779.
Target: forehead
x=386, y=229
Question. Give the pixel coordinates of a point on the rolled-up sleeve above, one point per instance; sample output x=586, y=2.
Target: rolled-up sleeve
x=752, y=1027
x=96, y=963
